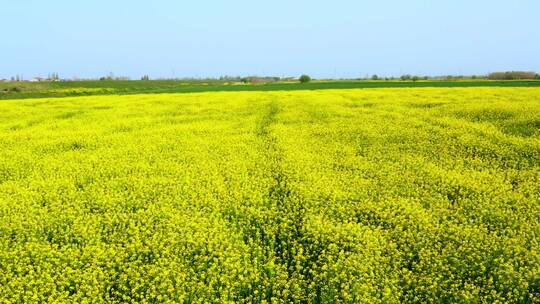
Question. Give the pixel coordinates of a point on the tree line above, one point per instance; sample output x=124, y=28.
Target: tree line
x=507, y=75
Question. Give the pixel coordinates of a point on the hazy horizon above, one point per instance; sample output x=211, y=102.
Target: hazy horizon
x=343, y=39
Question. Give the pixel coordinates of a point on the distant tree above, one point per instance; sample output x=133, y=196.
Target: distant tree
x=375, y=77
x=304, y=78
x=426, y=78
x=145, y=77
x=53, y=77
x=405, y=77
x=537, y=76
x=512, y=75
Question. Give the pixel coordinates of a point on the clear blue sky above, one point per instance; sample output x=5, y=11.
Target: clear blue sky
x=283, y=38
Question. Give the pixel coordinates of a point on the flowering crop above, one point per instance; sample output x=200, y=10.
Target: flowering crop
x=335, y=196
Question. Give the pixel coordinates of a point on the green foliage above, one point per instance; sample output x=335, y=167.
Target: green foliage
x=304, y=78
x=11, y=90
x=425, y=195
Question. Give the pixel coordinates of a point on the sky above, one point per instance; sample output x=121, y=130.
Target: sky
x=325, y=39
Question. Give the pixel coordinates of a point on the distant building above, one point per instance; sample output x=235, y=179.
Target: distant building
x=37, y=79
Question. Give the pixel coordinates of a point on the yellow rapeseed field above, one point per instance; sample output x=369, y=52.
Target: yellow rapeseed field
x=415, y=195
